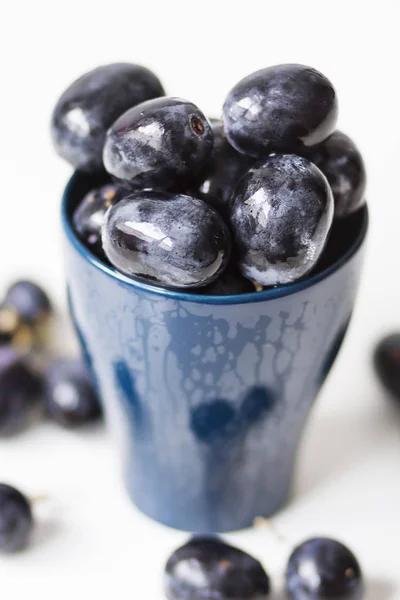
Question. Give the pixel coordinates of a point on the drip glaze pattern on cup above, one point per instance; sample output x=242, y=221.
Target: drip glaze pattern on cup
x=207, y=395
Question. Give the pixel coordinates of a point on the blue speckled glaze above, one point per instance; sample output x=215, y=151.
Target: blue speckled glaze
x=207, y=396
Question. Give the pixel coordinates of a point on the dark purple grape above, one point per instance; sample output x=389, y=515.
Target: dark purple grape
x=69, y=396
x=281, y=215
x=176, y=240
x=30, y=302
x=91, y=104
x=220, y=177
x=281, y=108
x=16, y=520
x=25, y=316
x=206, y=568
x=20, y=389
x=387, y=363
x=161, y=143
x=89, y=215
x=9, y=323
x=323, y=569
x=341, y=162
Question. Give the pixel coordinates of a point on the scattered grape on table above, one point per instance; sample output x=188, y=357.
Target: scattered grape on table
x=387, y=364
x=323, y=568
x=16, y=519
x=207, y=568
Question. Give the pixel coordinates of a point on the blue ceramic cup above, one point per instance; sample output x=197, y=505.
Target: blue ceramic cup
x=208, y=396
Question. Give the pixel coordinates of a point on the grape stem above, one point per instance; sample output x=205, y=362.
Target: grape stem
x=38, y=499
x=262, y=522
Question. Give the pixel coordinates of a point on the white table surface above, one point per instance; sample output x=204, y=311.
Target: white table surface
x=90, y=542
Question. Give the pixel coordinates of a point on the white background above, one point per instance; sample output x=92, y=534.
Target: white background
x=90, y=542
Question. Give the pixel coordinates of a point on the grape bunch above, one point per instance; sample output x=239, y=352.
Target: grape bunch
x=211, y=206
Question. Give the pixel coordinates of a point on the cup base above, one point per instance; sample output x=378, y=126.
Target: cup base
x=193, y=521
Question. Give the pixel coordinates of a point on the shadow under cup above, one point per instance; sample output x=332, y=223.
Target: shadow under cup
x=207, y=396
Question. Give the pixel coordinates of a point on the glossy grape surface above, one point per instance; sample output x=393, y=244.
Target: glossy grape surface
x=280, y=108
x=91, y=104
x=281, y=215
x=173, y=239
x=161, y=143
x=342, y=164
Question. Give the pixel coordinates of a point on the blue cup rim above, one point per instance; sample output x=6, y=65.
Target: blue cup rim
x=269, y=294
